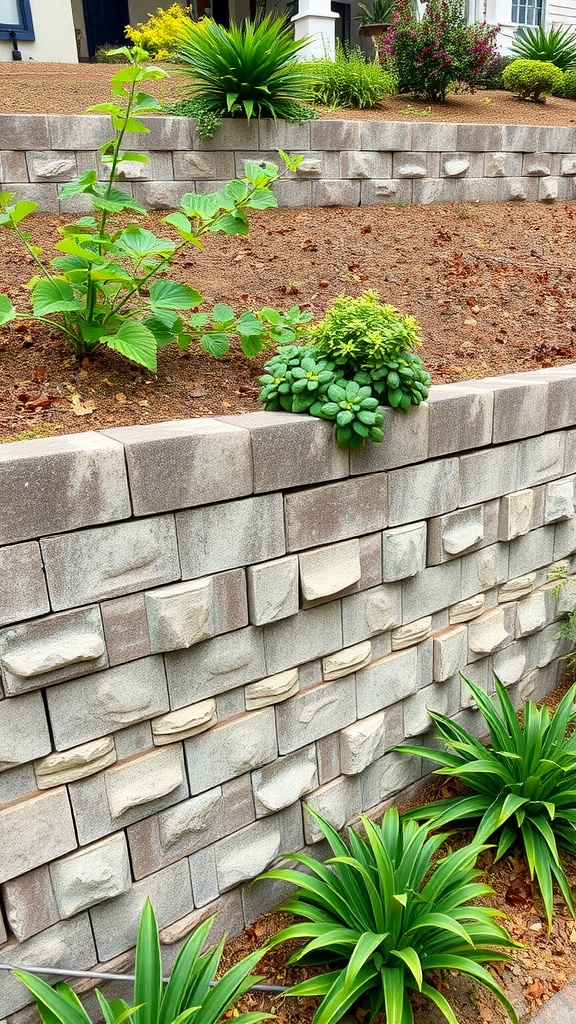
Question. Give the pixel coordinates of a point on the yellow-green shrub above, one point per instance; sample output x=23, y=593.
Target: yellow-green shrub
x=532, y=79
x=161, y=34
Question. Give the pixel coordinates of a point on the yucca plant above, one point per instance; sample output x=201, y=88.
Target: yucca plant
x=555, y=45
x=522, y=787
x=190, y=995
x=383, y=916
x=248, y=70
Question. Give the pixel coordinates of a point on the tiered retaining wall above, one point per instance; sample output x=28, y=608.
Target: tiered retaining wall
x=208, y=623
x=347, y=163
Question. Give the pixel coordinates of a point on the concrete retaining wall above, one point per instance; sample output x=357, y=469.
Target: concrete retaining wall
x=347, y=163
x=207, y=623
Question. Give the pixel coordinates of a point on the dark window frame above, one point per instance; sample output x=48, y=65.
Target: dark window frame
x=24, y=28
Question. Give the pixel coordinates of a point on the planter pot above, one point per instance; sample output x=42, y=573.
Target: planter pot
x=373, y=31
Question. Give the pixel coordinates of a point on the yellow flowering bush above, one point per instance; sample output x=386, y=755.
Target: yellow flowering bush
x=160, y=35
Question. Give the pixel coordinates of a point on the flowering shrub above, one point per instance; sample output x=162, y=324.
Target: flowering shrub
x=440, y=51
x=160, y=35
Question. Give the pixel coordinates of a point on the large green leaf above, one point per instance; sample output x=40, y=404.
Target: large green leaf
x=7, y=310
x=148, y=969
x=54, y=296
x=134, y=341
x=166, y=294
x=138, y=242
x=62, y=1009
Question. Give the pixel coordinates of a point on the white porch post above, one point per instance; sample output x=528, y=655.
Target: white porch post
x=316, y=19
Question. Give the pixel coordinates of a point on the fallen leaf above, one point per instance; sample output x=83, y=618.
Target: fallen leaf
x=80, y=408
x=39, y=374
x=519, y=892
x=535, y=990
x=121, y=398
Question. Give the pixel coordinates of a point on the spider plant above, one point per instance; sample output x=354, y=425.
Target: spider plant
x=382, y=915
x=555, y=44
x=190, y=995
x=522, y=787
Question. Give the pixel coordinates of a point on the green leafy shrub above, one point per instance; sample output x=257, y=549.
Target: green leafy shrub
x=569, y=91
x=160, y=34
x=381, y=916
x=491, y=76
x=532, y=79
x=190, y=995
x=351, y=81
x=438, y=51
x=522, y=786
x=107, y=283
x=246, y=71
x=554, y=45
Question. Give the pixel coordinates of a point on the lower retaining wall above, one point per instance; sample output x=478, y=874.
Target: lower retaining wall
x=346, y=163
x=207, y=624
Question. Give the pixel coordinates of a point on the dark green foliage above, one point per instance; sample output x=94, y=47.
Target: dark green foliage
x=533, y=79
x=491, y=77
x=381, y=915
x=554, y=45
x=351, y=81
x=523, y=786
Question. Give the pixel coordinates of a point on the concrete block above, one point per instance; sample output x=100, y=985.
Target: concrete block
x=378, y=191
x=462, y=531
x=519, y=138
x=273, y=590
x=165, y=195
x=189, y=721
x=344, y=662
x=432, y=491
x=13, y=166
x=215, y=665
x=231, y=749
x=24, y=733
x=52, y=649
x=460, y=417
x=518, y=190
x=180, y=615
x=203, y=876
x=35, y=831
x=328, y=758
x=136, y=739
x=45, y=196
x=233, y=133
x=540, y=459
x=386, y=136
x=311, y=634
x=365, y=164
x=488, y=474
x=412, y=633
x=76, y=763
x=83, y=709
x=386, y=681
x=51, y=166
x=403, y=552
x=491, y=631
x=144, y=779
x=27, y=131
x=515, y=516
x=293, y=192
x=503, y=165
x=125, y=628
x=389, y=775
x=405, y=442
x=509, y=665
x=556, y=139
x=17, y=783
x=329, y=570
x=337, y=802
x=247, y=853
x=131, y=556
x=559, y=500
x=551, y=645
x=314, y=713
x=434, y=136
x=91, y=876
x=416, y=165
x=272, y=690
x=531, y=614
x=482, y=570
x=465, y=610
x=520, y=407
x=66, y=944
x=335, y=193
x=450, y=652
x=549, y=189
x=371, y=612
x=23, y=594
x=515, y=588
x=431, y=591
x=434, y=190
x=76, y=131
x=338, y=135
x=29, y=903
x=220, y=537
x=88, y=468
x=283, y=782
x=188, y=166
x=565, y=539
x=363, y=742
x=532, y=551
x=284, y=135
x=474, y=138
x=536, y=165
x=443, y=697
x=459, y=165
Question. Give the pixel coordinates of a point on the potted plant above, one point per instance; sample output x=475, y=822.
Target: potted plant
x=375, y=18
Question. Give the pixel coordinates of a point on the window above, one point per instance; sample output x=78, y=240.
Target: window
x=525, y=12
x=15, y=16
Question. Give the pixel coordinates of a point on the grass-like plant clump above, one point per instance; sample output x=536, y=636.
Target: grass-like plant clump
x=351, y=81
x=555, y=44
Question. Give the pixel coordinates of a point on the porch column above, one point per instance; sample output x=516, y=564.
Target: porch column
x=316, y=19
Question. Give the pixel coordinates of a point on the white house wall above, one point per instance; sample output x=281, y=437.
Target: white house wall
x=564, y=14
x=54, y=30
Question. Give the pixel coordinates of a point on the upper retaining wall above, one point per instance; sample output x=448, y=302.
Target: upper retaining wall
x=207, y=623
x=347, y=163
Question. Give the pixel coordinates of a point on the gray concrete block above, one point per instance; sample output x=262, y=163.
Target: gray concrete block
x=214, y=666
x=489, y=474
x=475, y=138
x=135, y=739
x=284, y=781
x=460, y=165
x=66, y=944
x=434, y=136
x=477, y=190
x=460, y=417
x=385, y=191
x=52, y=165
x=387, y=776
x=23, y=594
x=432, y=491
x=186, y=613
x=323, y=515
x=203, y=876
x=27, y=131
x=565, y=539
x=336, y=192
x=315, y=713
x=556, y=139
x=416, y=165
x=540, y=459
x=77, y=131
x=520, y=408
x=519, y=138
x=518, y=190
x=286, y=135
x=405, y=442
x=232, y=134
x=337, y=802
x=230, y=749
x=516, y=514
x=317, y=165
x=387, y=136
x=326, y=571
x=24, y=733
x=430, y=591
x=91, y=876
x=247, y=853
x=386, y=681
x=443, y=697
x=34, y=831
x=125, y=628
x=531, y=551
x=502, y=165
x=328, y=758
x=273, y=590
x=13, y=166
x=131, y=556
x=403, y=552
x=52, y=649
x=45, y=196
x=290, y=451
x=311, y=634
x=462, y=531
x=83, y=709
x=484, y=569
x=365, y=164
x=115, y=922
x=165, y=195
x=434, y=190
x=536, y=164
x=87, y=468
x=29, y=903
x=17, y=783
x=371, y=612
x=561, y=395
x=185, y=463
x=338, y=135
x=188, y=166
x=293, y=192
x=223, y=536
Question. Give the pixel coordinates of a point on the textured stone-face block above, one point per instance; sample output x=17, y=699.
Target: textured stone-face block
x=403, y=552
x=142, y=780
x=484, y=569
x=77, y=763
x=51, y=650
x=90, y=876
x=515, y=588
x=231, y=749
x=405, y=442
x=559, y=500
x=180, y=615
x=491, y=631
x=431, y=591
x=465, y=610
x=83, y=709
x=23, y=594
x=313, y=633
x=502, y=165
x=362, y=743
x=35, y=831
x=412, y=633
x=251, y=850
x=371, y=612
x=486, y=475
x=462, y=531
x=386, y=681
x=24, y=733
x=131, y=556
x=214, y=666
x=188, y=166
x=531, y=614
x=323, y=515
x=29, y=903
x=271, y=690
x=314, y=713
x=283, y=782
x=337, y=802
x=450, y=652
x=88, y=468
x=53, y=165
x=224, y=536
x=344, y=662
x=184, y=463
x=433, y=490
x=515, y=514
x=443, y=697
x=460, y=417
x=273, y=590
x=365, y=165
x=329, y=570
x=387, y=776
x=179, y=725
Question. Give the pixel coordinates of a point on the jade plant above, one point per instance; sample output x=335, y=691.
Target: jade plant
x=107, y=283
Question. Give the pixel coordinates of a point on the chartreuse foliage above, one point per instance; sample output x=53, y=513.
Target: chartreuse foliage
x=522, y=787
x=159, y=35
x=382, y=915
x=107, y=284
x=189, y=996
x=533, y=79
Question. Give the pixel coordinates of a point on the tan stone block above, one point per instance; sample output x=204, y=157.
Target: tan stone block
x=143, y=779
x=35, y=831
x=178, y=725
x=272, y=689
x=463, y=611
x=343, y=662
x=77, y=763
x=29, y=903
x=411, y=633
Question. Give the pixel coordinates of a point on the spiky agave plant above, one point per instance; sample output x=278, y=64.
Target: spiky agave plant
x=522, y=788
x=383, y=916
x=251, y=69
x=554, y=44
